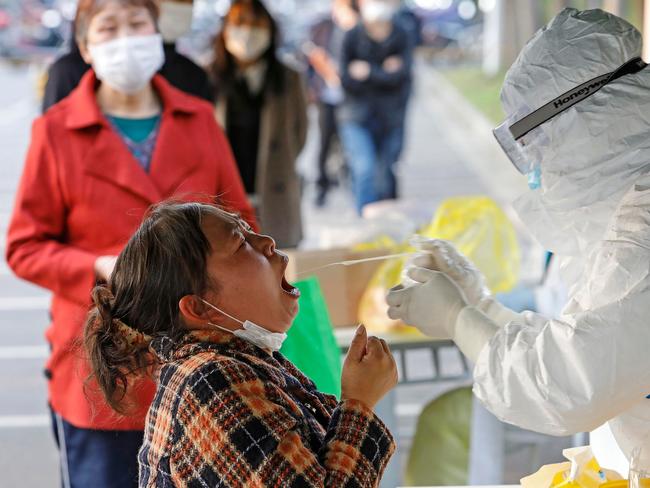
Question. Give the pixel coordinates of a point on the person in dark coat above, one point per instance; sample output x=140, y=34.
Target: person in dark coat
x=376, y=76
x=262, y=106
x=66, y=72
x=324, y=56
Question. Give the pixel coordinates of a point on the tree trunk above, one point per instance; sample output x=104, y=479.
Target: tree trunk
x=559, y=5
x=613, y=6
x=507, y=28
x=646, y=30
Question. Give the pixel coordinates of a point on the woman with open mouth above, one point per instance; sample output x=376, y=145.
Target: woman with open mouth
x=200, y=302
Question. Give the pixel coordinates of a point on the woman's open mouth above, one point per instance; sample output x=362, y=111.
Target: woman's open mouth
x=287, y=287
x=290, y=289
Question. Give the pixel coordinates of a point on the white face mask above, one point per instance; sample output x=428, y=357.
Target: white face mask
x=247, y=43
x=377, y=11
x=253, y=333
x=175, y=20
x=128, y=63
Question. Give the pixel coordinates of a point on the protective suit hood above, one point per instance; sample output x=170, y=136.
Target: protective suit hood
x=591, y=154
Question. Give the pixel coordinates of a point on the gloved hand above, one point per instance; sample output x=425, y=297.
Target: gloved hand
x=431, y=304
x=439, y=255
x=438, y=307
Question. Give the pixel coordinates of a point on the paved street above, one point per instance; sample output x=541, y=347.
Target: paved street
x=28, y=456
x=434, y=167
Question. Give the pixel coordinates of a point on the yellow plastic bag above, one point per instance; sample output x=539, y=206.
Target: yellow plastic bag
x=478, y=228
x=582, y=471
x=590, y=476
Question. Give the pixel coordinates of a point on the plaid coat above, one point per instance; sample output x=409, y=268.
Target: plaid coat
x=227, y=413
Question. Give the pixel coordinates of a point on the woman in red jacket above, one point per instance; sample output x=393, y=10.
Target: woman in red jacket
x=122, y=141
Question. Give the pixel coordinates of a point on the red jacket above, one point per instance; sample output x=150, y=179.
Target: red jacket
x=82, y=195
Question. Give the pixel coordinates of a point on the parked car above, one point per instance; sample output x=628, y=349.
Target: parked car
x=32, y=28
x=449, y=25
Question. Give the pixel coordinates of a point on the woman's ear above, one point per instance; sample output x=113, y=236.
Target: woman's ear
x=196, y=314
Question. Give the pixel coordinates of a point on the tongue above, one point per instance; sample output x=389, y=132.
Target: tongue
x=287, y=287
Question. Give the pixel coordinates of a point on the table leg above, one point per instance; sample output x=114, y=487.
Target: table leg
x=487, y=446
x=579, y=440
x=385, y=410
x=402, y=357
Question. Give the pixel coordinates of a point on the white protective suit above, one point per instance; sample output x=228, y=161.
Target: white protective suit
x=592, y=365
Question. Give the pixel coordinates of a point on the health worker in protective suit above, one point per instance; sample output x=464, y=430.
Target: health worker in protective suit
x=578, y=97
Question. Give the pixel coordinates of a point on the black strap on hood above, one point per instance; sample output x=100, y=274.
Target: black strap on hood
x=581, y=92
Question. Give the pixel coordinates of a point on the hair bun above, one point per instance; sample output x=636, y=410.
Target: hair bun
x=104, y=300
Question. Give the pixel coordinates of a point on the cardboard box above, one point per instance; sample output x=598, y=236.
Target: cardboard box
x=343, y=286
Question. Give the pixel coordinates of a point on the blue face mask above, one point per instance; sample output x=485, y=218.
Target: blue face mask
x=535, y=178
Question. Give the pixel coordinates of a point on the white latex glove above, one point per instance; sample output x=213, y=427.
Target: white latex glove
x=439, y=255
x=431, y=304
x=437, y=306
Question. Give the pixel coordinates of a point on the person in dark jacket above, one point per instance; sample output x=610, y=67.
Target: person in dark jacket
x=376, y=75
x=66, y=72
x=324, y=56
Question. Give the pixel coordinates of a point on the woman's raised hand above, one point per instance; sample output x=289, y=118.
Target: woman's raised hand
x=369, y=370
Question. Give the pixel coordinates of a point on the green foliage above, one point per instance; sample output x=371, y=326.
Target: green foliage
x=483, y=91
x=630, y=10
x=480, y=90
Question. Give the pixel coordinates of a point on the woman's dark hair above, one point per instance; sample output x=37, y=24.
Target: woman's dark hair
x=223, y=68
x=87, y=9
x=164, y=261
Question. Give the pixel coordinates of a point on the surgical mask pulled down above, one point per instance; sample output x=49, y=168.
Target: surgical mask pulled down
x=265, y=339
x=247, y=43
x=253, y=333
x=127, y=64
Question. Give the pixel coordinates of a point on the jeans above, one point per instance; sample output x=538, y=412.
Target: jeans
x=96, y=458
x=328, y=132
x=372, y=151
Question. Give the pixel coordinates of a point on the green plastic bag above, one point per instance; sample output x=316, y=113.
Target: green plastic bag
x=440, y=451
x=311, y=344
